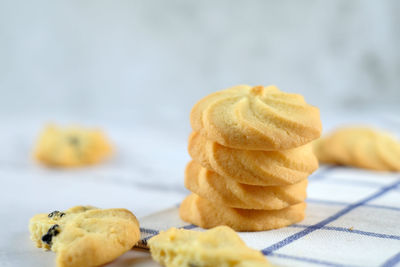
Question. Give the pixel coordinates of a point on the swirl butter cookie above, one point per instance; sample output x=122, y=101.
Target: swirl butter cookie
x=389, y=150
x=220, y=246
x=265, y=168
x=71, y=146
x=216, y=188
x=256, y=118
x=360, y=147
x=85, y=236
x=207, y=214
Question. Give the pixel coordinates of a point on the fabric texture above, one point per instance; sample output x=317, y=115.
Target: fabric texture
x=352, y=219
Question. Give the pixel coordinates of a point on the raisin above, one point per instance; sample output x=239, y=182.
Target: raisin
x=52, y=232
x=56, y=214
x=73, y=140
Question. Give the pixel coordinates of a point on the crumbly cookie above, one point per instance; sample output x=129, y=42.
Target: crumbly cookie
x=265, y=168
x=256, y=118
x=207, y=214
x=85, y=236
x=361, y=147
x=216, y=188
x=220, y=246
x=71, y=146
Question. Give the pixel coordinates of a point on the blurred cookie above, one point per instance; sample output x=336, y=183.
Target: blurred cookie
x=207, y=214
x=360, y=147
x=256, y=118
x=71, y=146
x=85, y=236
x=388, y=150
x=319, y=148
x=265, y=168
x=218, y=189
x=220, y=246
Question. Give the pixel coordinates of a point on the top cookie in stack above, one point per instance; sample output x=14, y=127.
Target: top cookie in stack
x=251, y=158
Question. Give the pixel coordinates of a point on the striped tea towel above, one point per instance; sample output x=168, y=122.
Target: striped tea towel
x=352, y=219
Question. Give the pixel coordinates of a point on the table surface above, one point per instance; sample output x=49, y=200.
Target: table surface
x=144, y=176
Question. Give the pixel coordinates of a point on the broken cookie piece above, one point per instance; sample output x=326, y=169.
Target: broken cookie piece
x=85, y=235
x=220, y=246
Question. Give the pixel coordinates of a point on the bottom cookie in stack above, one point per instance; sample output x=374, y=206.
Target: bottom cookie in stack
x=207, y=214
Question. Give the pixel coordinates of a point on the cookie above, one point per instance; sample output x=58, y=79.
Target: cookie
x=265, y=168
x=388, y=150
x=85, y=236
x=71, y=146
x=319, y=148
x=337, y=148
x=361, y=147
x=206, y=214
x=227, y=192
x=220, y=246
x=256, y=118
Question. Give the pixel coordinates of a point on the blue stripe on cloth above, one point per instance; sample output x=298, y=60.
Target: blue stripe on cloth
x=148, y=231
x=190, y=226
x=328, y=220
x=392, y=261
x=331, y=202
x=309, y=260
x=348, y=230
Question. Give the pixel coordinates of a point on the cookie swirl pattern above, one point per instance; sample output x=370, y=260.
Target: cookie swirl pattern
x=251, y=156
x=360, y=147
x=254, y=167
x=216, y=188
x=256, y=118
x=207, y=214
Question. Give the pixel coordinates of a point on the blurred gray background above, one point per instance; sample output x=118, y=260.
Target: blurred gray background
x=150, y=61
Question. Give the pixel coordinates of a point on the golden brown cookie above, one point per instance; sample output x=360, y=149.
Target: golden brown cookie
x=319, y=148
x=388, y=150
x=256, y=118
x=220, y=246
x=85, y=236
x=265, y=168
x=361, y=147
x=71, y=146
x=206, y=214
x=340, y=145
x=227, y=192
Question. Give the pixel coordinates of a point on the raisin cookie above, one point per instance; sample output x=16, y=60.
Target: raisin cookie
x=253, y=167
x=220, y=246
x=71, y=146
x=361, y=147
x=85, y=236
x=208, y=184
x=256, y=118
x=207, y=214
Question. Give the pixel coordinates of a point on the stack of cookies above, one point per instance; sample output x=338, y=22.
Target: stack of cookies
x=251, y=156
